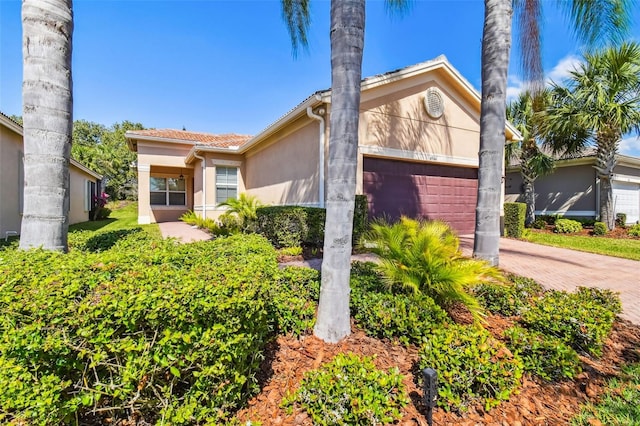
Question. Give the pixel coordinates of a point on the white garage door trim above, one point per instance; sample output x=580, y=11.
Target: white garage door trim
x=626, y=199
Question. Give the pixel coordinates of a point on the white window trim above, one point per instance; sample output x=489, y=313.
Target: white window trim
x=167, y=192
x=217, y=164
x=87, y=195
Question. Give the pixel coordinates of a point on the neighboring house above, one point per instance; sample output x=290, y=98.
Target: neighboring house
x=417, y=154
x=572, y=189
x=83, y=183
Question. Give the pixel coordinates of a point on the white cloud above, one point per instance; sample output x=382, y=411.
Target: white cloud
x=630, y=146
x=515, y=85
x=563, y=68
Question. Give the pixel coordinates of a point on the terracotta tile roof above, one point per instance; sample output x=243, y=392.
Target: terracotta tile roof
x=221, y=141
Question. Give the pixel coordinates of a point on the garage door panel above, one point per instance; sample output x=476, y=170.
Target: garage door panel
x=626, y=198
x=396, y=188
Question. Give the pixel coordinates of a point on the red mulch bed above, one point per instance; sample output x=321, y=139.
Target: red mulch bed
x=537, y=403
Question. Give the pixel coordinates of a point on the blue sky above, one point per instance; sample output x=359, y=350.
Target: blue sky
x=227, y=66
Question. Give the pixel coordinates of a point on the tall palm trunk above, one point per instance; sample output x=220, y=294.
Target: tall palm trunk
x=496, y=43
x=47, y=28
x=529, y=198
x=347, y=43
x=605, y=163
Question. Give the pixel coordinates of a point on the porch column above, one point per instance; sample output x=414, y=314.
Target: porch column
x=144, y=198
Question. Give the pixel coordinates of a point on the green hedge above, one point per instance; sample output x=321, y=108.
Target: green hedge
x=291, y=226
x=514, y=216
x=147, y=326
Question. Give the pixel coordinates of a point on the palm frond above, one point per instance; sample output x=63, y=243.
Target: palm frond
x=297, y=17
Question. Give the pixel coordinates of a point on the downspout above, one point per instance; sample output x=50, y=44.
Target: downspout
x=204, y=184
x=321, y=148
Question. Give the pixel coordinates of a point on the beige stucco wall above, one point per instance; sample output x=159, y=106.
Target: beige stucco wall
x=284, y=169
x=78, y=186
x=10, y=180
x=162, y=160
x=214, y=160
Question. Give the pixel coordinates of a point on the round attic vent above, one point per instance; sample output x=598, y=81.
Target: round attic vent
x=433, y=103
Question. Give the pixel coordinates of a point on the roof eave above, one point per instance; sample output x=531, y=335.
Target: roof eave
x=311, y=101
x=10, y=124
x=191, y=156
x=85, y=169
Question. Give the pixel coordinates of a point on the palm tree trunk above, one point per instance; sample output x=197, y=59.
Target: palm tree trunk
x=347, y=43
x=530, y=200
x=496, y=44
x=47, y=121
x=605, y=163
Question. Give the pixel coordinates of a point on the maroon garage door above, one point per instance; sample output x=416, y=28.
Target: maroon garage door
x=419, y=190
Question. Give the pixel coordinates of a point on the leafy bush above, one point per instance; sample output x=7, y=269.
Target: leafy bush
x=599, y=228
x=293, y=301
x=539, y=223
x=425, y=257
x=550, y=219
x=472, y=367
x=608, y=299
x=544, y=356
x=230, y=223
x=514, y=216
x=510, y=298
x=567, y=226
x=634, y=230
x=621, y=219
x=288, y=226
x=290, y=251
x=103, y=240
x=149, y=326
x=351, y=391
x=102, y=213
x=575, y=318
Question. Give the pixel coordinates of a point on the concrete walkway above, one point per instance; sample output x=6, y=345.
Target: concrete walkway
x=182, y=231
x=552, y=267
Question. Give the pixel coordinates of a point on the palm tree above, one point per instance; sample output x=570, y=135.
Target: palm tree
x=601, y=100
x=425, y=257
x=47, y=29
x=593, y=22
x=532, y=160
x=347, y=44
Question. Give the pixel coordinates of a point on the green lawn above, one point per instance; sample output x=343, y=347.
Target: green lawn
x=619, y=406
x=121, y=218
x=625, y=248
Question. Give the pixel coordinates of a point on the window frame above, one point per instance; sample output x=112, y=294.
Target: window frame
x=167, y=192
x=226, y=185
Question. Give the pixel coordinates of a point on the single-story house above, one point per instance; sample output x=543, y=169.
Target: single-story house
x=572, y=189
x=83, y=182
x=417, y=154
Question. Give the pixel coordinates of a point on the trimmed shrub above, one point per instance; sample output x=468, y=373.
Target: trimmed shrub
x=599, y=228
x=350, y=390
x=508, y=299
x=567, y=226
x=621, y=219
x=293, y=301
x=574, y=318
x=288, y=226
x=472, y=367
x=539, y=223
x=544, y=356
x=149, y=326
x=634, y=230
x=514, y=216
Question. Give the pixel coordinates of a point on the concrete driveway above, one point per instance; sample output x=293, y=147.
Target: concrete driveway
x=564, y=269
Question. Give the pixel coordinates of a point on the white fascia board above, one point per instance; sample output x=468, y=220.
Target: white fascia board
x=628, y=161
x=85, y=169
x=625, y=178
x=10, y=124
x=401, y=154
x=133, y=136
x=203, y=148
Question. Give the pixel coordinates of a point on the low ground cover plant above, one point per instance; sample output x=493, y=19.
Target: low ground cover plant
x=575, y=318
x=472, y=367
x=425, y=257
x=350, y=390
x=544, y=356
x=171, y=332
x=294, y=300
x=510, y=298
